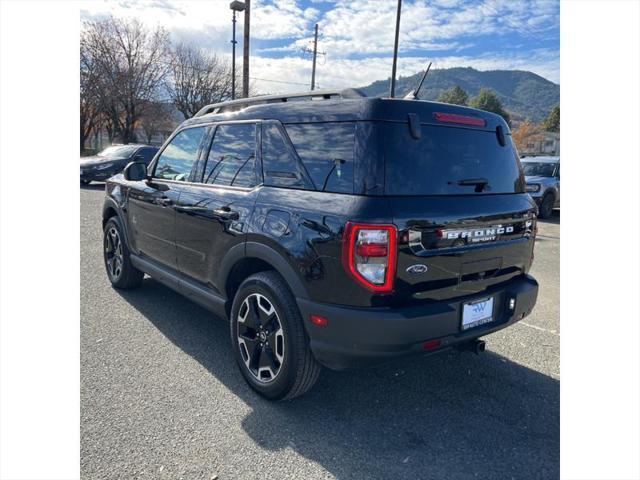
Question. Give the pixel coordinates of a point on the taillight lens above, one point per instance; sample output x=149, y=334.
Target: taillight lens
x=369, y=255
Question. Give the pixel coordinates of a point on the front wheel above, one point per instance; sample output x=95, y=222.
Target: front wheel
x=117, y=261
x=269, y=340
x=546, y=206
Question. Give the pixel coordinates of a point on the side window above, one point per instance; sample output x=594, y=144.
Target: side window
x=279, y=165
x=326, y=149
x=177, y=159
x=232, y=157
x=147, y=154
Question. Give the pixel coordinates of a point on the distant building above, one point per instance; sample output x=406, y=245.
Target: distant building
x=543, y=143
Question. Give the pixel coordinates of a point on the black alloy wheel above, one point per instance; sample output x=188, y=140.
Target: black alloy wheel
x=269, y=340
x=117, y=261
x=260, y=338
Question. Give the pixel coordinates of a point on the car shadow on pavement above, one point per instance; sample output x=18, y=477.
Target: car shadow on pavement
x=453, y=415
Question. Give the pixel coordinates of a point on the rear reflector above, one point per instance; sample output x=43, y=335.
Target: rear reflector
x=461, y=119
x=319, y=320
x=371, y=250
x=431, y=344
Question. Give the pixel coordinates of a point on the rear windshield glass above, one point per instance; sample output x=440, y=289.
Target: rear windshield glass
x=449, y=161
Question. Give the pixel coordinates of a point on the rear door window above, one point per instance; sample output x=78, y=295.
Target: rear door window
x=326, y=149
x=231, y=159
x=445, y=158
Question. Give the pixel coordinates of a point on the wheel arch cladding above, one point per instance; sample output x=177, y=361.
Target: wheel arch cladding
x=256, y=257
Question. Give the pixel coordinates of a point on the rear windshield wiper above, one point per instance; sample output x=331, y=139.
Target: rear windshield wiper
x=479, y=183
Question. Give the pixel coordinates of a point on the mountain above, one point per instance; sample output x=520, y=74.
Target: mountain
x=525, y=94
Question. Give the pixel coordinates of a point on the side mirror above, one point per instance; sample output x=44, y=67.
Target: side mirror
x=135, y=171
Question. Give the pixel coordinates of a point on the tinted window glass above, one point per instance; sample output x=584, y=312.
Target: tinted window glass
x=279, y=164
x=147, y=154
x=176, y=160
x=445, y=156
x=326, y=149
x=231, y=159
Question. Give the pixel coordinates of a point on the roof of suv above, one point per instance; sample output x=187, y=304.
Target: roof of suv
x=300, y=108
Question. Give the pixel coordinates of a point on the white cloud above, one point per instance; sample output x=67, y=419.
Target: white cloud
x=354, y=30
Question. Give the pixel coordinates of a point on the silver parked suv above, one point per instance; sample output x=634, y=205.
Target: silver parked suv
x=542, y=175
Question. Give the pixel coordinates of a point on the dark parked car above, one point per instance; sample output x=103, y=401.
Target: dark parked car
x=542, y=175
x=112, y=160
x=341, y=232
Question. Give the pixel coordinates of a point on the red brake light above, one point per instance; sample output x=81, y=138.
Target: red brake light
x=461, y=119
x=369, y=255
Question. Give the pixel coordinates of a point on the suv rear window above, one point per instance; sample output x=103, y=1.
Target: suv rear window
x=444, y=156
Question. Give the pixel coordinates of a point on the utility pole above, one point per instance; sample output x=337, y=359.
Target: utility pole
x=245, y=65
x=392, y=89
x=315, y=54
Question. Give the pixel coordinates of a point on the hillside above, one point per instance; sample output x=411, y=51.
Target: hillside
x=525, y=94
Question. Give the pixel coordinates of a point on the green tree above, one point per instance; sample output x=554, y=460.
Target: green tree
x=489, y=101
x=552, y=123
x=455, y=96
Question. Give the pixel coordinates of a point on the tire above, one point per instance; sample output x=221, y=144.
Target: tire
x=117, y=258
x=546, y=206
x=85, y=182
x=269, y=340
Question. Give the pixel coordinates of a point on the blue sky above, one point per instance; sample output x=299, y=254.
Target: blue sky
x=357, y=35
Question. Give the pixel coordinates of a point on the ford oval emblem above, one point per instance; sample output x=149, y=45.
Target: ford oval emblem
x=417, y=269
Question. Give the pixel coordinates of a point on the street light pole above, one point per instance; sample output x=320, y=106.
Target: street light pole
x=392, y=89
x=245, y=46
x=236, y=6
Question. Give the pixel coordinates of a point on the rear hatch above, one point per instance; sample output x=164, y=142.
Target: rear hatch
x=456, y=192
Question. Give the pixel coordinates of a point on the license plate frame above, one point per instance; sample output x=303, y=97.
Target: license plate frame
x=476, y=313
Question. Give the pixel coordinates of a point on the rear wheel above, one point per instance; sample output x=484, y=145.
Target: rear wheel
x=117, y=260
x=546, y=206
x=85, y=182
x=269, y=340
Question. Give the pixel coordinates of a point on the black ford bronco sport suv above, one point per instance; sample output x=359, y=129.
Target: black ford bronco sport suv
x=331, y=229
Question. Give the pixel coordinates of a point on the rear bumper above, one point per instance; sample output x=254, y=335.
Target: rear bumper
x=356, y=337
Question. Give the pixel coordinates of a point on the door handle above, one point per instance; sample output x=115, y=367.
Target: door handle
x=165, y=202
x=225, y=213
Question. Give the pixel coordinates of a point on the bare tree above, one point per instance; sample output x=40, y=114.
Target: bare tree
x=197, y=79
x=89, y=101
x=131, y=63
x=156, y=119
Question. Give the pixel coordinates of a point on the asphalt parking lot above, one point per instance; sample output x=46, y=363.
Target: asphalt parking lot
x=161, y=396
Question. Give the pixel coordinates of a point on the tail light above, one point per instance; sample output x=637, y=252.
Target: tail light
x=369, y=255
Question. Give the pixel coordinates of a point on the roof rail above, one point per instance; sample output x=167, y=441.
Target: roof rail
x=233, y=105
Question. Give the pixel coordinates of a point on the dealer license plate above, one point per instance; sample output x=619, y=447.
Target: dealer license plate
x=477, y=313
